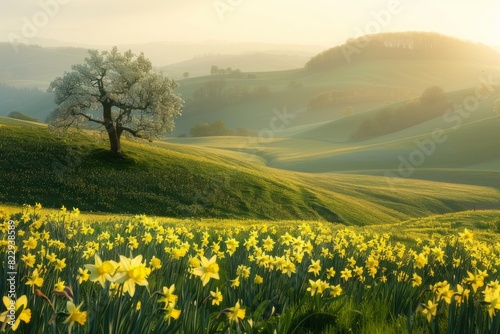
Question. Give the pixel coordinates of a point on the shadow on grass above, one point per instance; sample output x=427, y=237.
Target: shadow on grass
x=105, y=157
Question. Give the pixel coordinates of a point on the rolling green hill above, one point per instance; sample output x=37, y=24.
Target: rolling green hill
x=466, y=153
x=379, y=83
x=403, y=45
x=392, y=67
x=186, y=181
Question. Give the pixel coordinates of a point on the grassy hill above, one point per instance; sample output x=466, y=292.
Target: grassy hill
x=467, y=154
x=379, y=83
x=186, y=181
x=392, y=67
x=404, y=45
x=485, y=224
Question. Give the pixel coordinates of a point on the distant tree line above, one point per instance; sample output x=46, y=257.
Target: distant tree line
x=341, y=97
x=218, y=128
x=432, y=103
x=227, y=72
x=402, y=45
x=215, y=91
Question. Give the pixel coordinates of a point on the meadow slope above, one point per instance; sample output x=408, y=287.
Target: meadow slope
x=189, y=181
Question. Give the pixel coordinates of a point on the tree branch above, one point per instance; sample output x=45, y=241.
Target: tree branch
x=133, y=132
x=89, y=118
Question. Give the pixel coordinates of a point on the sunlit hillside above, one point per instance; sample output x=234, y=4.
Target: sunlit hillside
x=180, y=180
x=367, y=81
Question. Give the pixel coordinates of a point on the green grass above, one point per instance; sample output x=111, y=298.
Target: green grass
x=484, y=223
x=75, y=170
x=470, y=146
x=17, y=122
x=189, y=181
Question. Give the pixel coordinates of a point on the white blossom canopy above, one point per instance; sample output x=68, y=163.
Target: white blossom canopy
x=125, y=91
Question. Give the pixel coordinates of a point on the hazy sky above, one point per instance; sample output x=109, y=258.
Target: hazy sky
x=319, y=22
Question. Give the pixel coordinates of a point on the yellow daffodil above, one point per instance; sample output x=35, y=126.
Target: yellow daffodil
x=430, y=310
x=59, y=286
x=147, y=238
x=492, y=298
x=346, y=274
x=243, y=271
x=83, y=275
x=231, y=245
x=461, y=294
x=235, y=313
x=476, y=281
x=155, y=263
x=30, y=243
x=101, y=271
x=216, y=297
x=314, y=268
x=421, y=260
x=335, y=291
x=29, y=259
x=35, y=279
x=313, y=286
x=268, y=244
x=60, y=264
x=168, y=295
x=330, y=273
x=416, y=280
x=258, y=279
x=75, y=315
x=208, y=269
x=8, y=316
x=443, y=291
x=132, y=242
x=466, y=236
x=171, y=312
x=235, y=282
x=130, y=273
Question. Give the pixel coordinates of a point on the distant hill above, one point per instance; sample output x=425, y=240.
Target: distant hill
x=31, y=101
x=370, y=84
x=248, y=62
x=35, y=66
x=403, y=45
x=25, y=75
x=21, y=116
x=166, y=53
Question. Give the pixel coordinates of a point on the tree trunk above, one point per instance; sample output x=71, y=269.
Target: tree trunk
x=114, y=137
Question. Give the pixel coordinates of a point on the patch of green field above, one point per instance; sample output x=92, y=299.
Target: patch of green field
x=484, y=223
x=467, y=143
x=188, y=181
x=75, y=170
x=18, y=122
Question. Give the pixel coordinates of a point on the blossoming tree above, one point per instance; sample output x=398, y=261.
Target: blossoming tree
x=119, y=92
